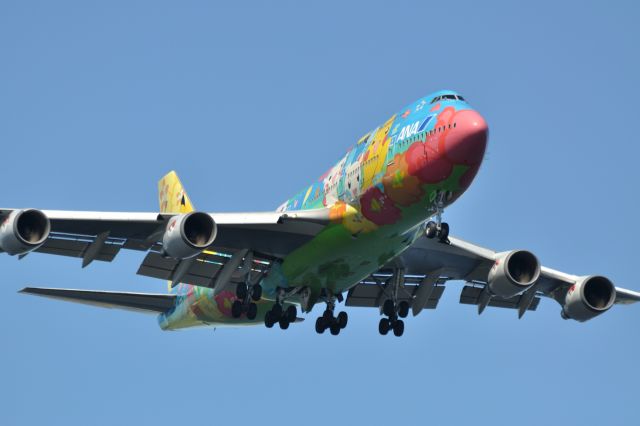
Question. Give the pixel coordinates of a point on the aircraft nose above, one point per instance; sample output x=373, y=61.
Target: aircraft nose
x=467, y=142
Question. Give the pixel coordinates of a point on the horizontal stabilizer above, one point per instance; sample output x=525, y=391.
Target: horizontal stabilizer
x=471, y=296
x=140, y=302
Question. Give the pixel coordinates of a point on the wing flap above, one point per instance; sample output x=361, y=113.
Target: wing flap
x=372, y=295
x=203, y=272
x=78, y=246
x=470, y=295
x=141, y=302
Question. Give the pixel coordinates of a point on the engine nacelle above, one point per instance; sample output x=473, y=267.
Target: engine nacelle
x=24, y=231
x=588, y=298
x=188, y=234
x=512, y=273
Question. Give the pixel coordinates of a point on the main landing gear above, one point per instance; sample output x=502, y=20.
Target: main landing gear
x=246, y=296
x=438, y=229
x=280, y=315
x=393, y=308
x=392, y=322
x=329, y=321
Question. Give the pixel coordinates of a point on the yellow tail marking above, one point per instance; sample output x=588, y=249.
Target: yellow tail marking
x=173, y=197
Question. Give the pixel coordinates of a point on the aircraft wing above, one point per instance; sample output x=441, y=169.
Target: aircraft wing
x=145, y=302
x=428, y=264
x=101, y=235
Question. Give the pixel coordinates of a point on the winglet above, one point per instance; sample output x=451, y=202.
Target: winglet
x=173, y=197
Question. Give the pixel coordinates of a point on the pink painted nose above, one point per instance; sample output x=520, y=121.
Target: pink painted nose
x=466, y=142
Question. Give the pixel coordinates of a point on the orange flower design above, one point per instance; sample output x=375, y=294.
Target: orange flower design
x=399, y=185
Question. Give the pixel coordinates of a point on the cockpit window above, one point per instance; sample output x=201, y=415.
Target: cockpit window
x=460, y=98
x=447, y=97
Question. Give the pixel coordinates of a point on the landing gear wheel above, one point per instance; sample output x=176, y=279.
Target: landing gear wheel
x=327, y=314
x=269, y=321
x=257, y=293
x=334, y=328
x=291, y=313
x=284, y=323
x=398, y=328
x=432, y=229
x=241, y=291
x=384, y=326
x=388, y=308
x=403, y=309
x=252, y=311
x=236, y=309
x=343, y=318
x=444, y=232
x=320, y=325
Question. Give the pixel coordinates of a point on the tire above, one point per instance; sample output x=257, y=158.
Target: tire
x=277, y=310
x=268, y=320
x=236, y=309
x=241, y=291
x=343, y=319
x=398, y=328
x=257, y=293
x=383, y=326
x=284, y=323
x=334, y=328
x=432, y=229
x=403, y=309
x=291, y=313
x=252, y=311
x=388, y=308
x=320, y=325
x=444, y=232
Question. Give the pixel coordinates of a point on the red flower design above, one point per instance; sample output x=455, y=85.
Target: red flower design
x=427, y=163
x=378, y=207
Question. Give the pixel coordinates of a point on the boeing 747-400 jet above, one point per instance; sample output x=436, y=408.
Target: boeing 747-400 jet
x=368, y=232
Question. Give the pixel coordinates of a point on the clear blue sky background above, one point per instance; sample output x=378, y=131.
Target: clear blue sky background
x=251, y=101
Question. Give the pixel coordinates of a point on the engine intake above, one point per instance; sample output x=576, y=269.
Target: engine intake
x=589, y=297
x=24, y=231
x=188, y=234
x=512, y=273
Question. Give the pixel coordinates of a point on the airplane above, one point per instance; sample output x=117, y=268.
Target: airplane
x=369, y=232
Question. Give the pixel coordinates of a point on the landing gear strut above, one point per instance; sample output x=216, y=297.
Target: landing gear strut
x=438, y=229
x=279, y=314
x=246, y=296
x=329, y=321
x=394, y=309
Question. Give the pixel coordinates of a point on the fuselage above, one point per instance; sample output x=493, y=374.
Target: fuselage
x=379, y=193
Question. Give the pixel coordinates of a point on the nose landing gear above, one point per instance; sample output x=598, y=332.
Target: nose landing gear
x=438, y=229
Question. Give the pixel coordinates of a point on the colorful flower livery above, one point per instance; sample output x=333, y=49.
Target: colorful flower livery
x=363, y=227
x=379, y=194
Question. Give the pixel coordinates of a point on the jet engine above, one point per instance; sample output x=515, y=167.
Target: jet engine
x=188, y=234
x=24, y=231
x=589, y=297
x=512, y=273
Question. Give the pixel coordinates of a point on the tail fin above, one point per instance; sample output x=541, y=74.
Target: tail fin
x=173, y=197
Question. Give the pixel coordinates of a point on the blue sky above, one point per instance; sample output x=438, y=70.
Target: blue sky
x=251, y=101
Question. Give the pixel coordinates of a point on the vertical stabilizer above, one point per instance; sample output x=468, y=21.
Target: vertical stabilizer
x=173, y=197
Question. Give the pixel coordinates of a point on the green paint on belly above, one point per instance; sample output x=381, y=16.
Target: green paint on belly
x=335, y=259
